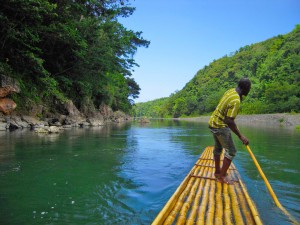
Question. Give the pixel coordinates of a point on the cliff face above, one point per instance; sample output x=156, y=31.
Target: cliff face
x=39, y=118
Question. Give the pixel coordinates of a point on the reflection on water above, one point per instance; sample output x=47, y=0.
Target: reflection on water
x=125, y=173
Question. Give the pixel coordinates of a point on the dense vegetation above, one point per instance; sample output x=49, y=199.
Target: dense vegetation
x=69, y=50
x=273, y=66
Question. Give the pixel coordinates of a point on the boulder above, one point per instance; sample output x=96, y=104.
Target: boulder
x=72, y=110
x=106, y=112
x=84, y=124
x=33, y=122
x=41, y=130
x=67, y=126
x=18, y=122
x=95, y=122
x=7, y=105
x=54, y=129
x=144, y=120
x=3, y=126
x=9, y=84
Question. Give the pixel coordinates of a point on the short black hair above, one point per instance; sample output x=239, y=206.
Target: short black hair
x=244, y=84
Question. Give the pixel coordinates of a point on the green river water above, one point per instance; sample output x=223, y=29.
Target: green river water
x=124, y=174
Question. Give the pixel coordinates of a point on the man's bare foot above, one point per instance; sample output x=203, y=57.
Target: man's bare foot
x=225, y=180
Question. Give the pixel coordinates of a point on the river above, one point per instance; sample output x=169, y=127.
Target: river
x=124, y=174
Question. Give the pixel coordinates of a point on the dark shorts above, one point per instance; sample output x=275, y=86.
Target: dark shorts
x=223, y=139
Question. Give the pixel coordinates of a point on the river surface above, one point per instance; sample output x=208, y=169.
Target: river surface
x=124, y=174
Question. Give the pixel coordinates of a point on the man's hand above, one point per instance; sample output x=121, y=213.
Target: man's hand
x=231, y=124
x=244, y=140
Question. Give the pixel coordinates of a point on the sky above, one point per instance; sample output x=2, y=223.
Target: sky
x=187, y=35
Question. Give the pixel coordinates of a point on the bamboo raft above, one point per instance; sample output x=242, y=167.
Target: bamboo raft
x=201, y=200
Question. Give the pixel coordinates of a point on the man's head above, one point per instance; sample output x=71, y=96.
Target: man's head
x=244, y=86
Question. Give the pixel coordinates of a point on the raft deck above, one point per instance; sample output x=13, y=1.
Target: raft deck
x=200, y=199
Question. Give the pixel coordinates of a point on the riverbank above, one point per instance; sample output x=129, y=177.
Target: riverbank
x=275, y=120
x=57, y=123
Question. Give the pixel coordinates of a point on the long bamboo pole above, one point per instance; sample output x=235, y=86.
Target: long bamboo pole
x=291, y=218
x=186, y=206
x=235, y=206
x=193, y=212
x=227, y=212
x=245, y=209
x=219, y=205
x=203, y=205
x=211, y=206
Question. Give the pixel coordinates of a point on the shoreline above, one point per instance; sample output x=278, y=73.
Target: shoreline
x=285, y=120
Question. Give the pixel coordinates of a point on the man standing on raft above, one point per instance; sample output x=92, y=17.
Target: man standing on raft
x=220, y=124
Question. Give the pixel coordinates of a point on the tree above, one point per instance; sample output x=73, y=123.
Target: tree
x=70, y=47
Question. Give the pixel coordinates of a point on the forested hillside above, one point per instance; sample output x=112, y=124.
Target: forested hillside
x=69, y=50
x=273, y=66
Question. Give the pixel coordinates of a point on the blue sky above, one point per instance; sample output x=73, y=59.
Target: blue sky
x=186, y=35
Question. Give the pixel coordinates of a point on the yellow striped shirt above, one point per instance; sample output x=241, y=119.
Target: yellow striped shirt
x=228, y=106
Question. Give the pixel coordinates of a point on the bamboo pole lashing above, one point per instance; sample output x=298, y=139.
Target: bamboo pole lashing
x=210, y=166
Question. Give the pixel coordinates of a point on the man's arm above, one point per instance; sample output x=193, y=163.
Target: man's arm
x=232, y=125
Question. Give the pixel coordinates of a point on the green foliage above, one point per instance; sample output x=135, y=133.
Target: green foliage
x=70, y=50
x=152, y=109
x=273, y=66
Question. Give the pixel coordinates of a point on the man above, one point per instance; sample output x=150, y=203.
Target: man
x=220, y=124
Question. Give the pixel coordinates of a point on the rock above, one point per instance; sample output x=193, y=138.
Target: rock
x=98, y=121
x=18, y=122
x=58, y=124
x=30, y=120
x=54, y=129
x=4, y=91
x=3, y=126
x=73, y=121
x=95, y=122
x=144, y=120
x=7, y=105
x=84, y=124
x=41, y=130
x=62, y=119
x=13, y=84
x=106, y=112
x=33, y=122
x=72, y=110
x=119, y=117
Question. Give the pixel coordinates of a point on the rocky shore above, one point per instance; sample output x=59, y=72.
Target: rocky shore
x=55, y=123
x=275, y=120
x=43, y=119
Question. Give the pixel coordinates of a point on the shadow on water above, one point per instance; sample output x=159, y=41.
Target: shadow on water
x=124, y=174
